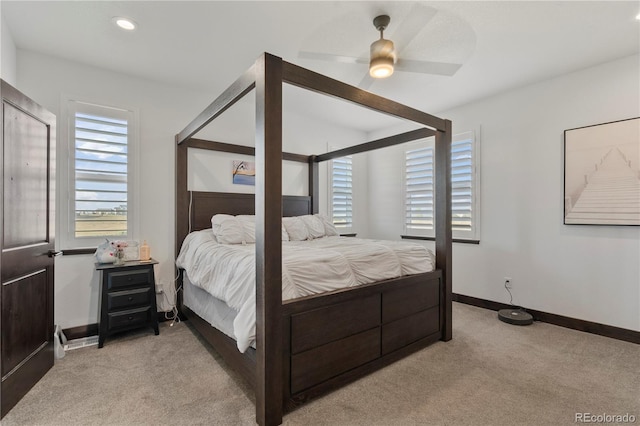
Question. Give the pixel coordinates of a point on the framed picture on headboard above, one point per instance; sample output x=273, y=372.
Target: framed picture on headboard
x=244, y=173
x=602, y=174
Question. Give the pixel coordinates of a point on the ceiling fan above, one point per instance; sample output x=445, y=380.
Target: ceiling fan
x=383, y=58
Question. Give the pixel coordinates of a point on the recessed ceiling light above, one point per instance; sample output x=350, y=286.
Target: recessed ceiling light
x=638, y=16
x=125, y=23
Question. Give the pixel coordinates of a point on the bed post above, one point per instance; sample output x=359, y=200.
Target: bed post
x=182, y=195
x=443, y=224
x=182, y=210
x=314, y=184
x=268, y=157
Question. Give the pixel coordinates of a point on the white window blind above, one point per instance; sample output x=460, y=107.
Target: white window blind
x=342, y=192
x=462, y=208
x=419, y=188
x=99, y=176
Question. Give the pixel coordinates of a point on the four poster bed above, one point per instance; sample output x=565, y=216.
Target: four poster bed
x=309, y=345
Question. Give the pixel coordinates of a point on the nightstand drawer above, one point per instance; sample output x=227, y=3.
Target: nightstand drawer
x=128, y=298
x=128, y=318
x=125, y=279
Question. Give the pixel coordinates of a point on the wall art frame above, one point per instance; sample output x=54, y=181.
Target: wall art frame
x=244, y=172
x=602, y=174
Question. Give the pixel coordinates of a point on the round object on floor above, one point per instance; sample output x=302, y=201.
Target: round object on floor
x=515, y=316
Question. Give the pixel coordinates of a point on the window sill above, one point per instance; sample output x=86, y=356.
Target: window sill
x=455, y=240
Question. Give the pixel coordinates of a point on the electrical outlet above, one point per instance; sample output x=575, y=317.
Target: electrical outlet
x=507, y=282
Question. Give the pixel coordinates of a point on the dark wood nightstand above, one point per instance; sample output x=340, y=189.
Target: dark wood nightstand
x=127, y=298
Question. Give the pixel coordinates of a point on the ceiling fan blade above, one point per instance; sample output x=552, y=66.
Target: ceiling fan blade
x=417, y=18
x=366, y=82
x=332, y=58
x=427, y=67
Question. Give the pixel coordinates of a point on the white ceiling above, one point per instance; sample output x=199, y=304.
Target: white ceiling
x=206, y=45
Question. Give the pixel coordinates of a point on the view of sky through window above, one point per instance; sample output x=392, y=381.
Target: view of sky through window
x=100, y=175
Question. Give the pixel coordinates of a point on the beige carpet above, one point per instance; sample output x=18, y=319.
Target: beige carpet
x=491, y=373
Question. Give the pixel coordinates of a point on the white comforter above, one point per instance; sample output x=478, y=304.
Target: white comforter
x=227, y=272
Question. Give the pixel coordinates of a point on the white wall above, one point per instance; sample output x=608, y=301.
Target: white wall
x=164, y=110
x=8, y=54
x=586, y=272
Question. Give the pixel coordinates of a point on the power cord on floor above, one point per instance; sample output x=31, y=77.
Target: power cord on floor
x=172, y=315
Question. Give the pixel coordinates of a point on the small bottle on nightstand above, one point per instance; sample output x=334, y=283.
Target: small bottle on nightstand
x=145, y=252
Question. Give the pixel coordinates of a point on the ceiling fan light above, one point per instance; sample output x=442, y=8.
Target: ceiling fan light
x=381, y=67
x=382, y=58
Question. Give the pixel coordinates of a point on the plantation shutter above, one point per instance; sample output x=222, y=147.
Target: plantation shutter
x=462, y=185
x=419, y=189
x=342, y=192
x=100, y=174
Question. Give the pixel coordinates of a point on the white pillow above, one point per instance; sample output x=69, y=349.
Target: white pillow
x=285, y=235
x=314, y=225
x=296, y=228
x=329, y=229
x=231, y=231
x=216, y=220
x=249, y=225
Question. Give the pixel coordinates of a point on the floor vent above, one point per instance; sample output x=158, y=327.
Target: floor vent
x=81, y=343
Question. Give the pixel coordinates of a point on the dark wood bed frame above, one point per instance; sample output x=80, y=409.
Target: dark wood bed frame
x=309, y=346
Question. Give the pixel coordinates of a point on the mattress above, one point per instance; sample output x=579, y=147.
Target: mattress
x=227, y=271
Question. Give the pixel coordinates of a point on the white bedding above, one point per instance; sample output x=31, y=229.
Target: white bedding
x=227, y=271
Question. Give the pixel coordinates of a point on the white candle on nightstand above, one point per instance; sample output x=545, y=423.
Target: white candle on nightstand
x=145, y=251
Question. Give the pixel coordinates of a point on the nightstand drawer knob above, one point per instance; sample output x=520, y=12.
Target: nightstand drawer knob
x=130, y=318
x=130, y=298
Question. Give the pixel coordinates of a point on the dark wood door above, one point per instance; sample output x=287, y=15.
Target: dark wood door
x=27, y=241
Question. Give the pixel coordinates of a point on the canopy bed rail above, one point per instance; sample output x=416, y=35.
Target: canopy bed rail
x=388, y=319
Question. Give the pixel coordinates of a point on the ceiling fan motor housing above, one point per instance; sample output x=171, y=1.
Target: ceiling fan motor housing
x=383, y=58
x=382, y=53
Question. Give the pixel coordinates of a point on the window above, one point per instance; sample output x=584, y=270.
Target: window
x=99, y=182
x=341, y=193
x=419, y=188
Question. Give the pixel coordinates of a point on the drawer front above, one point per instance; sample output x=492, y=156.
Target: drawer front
x=313, y=367
x=405, y=301
x=128, y=278
x=324, y=325
x=132, y=317
x=128, y=298
x=410, y=329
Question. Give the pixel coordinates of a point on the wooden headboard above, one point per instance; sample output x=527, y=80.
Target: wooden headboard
x=206, y=204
